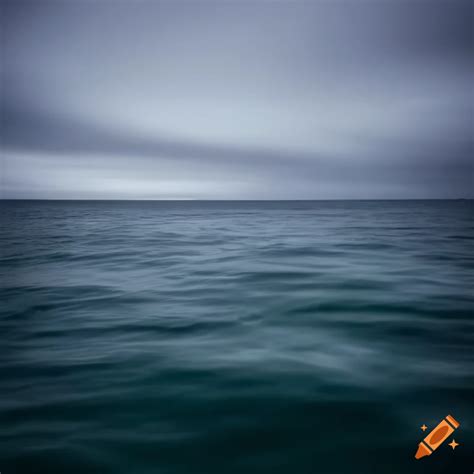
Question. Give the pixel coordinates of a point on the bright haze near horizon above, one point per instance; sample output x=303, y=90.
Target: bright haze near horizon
x=237, y=99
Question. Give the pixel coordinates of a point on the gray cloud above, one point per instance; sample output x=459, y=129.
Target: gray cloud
x=238, y=100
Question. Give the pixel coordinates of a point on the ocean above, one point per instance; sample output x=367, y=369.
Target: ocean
x=188, y=337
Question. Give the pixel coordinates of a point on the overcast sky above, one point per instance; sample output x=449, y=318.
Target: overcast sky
x=237, y=99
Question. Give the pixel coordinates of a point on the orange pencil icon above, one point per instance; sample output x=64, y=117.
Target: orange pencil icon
x=436, y=437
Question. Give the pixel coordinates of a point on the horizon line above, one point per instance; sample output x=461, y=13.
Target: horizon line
x=239, y=200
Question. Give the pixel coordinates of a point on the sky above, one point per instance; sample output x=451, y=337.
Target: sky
x=329, y=99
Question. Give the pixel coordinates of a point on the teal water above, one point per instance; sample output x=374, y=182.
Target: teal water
x=235, y=337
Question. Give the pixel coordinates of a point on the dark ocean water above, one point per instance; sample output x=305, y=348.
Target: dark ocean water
x=235, y=337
